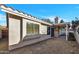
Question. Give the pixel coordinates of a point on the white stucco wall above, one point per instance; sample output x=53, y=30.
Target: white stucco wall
x=76, y=34
x=43, y=29
x=14, y=31
x=25, y=21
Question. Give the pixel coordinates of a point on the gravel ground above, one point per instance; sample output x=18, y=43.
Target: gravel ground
x=3, y=45
x=51, y=46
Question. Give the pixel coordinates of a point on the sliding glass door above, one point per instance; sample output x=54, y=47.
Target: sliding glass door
x=32, y=28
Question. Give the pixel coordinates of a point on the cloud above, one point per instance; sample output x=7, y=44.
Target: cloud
x=2, y=19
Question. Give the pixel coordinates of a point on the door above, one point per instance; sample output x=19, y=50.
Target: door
x=52, y=32
x=48, y=30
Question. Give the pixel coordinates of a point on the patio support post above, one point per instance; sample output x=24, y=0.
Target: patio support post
x=66, y=32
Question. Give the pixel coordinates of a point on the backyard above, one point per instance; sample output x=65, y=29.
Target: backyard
x=51, y=46
x=3, y=41
x=23, y=28
x=3, y=45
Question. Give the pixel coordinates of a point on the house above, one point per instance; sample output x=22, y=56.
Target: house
x=25, y=29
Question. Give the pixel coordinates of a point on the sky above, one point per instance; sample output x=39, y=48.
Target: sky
x=67, y=12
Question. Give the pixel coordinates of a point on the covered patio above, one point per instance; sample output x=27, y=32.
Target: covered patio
x=61, y=29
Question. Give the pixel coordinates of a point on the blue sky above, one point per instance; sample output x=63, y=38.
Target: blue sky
x=67, y=12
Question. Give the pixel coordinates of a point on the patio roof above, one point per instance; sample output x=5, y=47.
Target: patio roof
x=22, y=14
x=60, y=24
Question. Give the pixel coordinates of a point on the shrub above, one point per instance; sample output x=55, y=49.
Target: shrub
x=71, y=37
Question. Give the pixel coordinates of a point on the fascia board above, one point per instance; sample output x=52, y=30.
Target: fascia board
x=24, y=16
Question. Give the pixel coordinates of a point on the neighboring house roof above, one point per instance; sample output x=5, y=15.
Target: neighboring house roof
x=22, y=14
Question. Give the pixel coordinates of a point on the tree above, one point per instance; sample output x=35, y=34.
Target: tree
x=62, y=21
x=47, y=20
x=75, y=22
x=76, y=18
x=56, y=19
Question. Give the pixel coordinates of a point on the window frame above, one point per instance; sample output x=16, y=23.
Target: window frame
x=32, y=29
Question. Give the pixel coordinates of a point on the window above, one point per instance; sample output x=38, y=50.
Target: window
x=32, y=29
x=48, y=30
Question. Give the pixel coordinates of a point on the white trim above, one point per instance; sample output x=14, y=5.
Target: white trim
x=5, y=9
